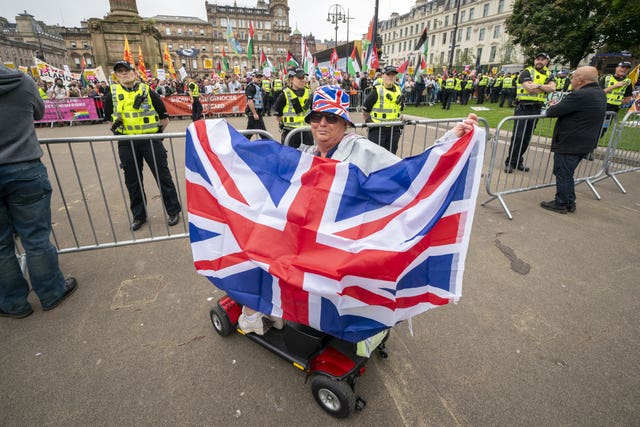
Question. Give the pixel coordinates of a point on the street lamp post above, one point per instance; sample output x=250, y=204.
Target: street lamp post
x=336, y=15
x=455, y=34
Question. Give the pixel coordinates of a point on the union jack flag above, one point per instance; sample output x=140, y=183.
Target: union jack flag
x=318, y=242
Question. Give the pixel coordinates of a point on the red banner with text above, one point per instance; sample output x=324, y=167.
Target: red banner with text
x=223, y=104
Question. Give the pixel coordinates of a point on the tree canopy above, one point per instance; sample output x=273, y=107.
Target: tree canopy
x=569, y=30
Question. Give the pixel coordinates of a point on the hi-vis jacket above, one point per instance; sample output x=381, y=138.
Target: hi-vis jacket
x=290, y=117
x=616, y=95
x=135, y=121
x=538, y=78
x=388, y=106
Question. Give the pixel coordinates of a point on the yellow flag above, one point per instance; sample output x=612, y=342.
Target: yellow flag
x=167, y=59
x=127, y=56
x=142, y=70
x=633, y=75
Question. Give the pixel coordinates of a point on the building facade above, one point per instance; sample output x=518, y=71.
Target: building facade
x=476, y=38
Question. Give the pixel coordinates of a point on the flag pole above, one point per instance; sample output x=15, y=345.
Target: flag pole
x=374, y=34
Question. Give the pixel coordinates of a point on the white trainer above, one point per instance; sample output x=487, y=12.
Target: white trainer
x=255, y=322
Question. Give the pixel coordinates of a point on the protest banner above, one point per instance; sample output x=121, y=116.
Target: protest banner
x=69, y=110
x=223, y=104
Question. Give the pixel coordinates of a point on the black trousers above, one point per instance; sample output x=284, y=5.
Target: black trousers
x=481, y=92
x=196, y=110
x=154, y=154
x=253, y=123
x=386, y=137
x=522, y=133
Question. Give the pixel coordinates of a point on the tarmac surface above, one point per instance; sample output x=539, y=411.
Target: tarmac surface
x=546, y=333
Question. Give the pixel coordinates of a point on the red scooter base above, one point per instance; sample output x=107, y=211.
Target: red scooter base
x=331, y=363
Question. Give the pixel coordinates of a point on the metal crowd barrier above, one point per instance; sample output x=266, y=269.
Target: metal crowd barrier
x=90, y=202
x=538, y=158
x=417, y=135
x=623, y=155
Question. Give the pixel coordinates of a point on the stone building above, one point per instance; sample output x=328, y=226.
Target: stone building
x=28, y=39
x=481, y=41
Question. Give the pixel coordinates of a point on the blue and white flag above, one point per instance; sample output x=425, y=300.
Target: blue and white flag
x=316, y=241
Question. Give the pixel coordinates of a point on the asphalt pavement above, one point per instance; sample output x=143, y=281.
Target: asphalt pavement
x=546, y=333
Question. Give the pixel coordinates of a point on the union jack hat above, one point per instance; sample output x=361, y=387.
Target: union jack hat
x=331, y=99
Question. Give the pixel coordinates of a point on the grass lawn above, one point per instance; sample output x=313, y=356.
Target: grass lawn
x=495, y=114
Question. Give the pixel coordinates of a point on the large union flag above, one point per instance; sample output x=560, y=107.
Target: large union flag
x=318, y=242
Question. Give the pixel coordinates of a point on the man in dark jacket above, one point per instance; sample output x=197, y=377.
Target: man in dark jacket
x=580, y=115
x=25, y=203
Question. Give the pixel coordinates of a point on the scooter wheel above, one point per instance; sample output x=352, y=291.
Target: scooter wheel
x=335, y=397
x=220, y=321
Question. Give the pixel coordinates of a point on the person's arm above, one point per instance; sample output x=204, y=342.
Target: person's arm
x=569, y=104
x=368, y=104
x=160, y=108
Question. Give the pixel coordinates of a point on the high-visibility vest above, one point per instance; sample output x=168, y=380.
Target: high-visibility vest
x=43, y=94
x=616, y=95
x=135, y=121
x=484, y=81
x=450, y=83
x=387, y=107
x=193, y=89
x=290, y=118
x=458, y=85
x=507, y=83
x=538, y=78
x=560, y=82
x=277, y=85
x=266, y=86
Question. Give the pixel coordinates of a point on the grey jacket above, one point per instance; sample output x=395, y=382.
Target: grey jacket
x=20, y=105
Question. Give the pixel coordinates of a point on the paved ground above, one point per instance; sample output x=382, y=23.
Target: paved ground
x=546, y=334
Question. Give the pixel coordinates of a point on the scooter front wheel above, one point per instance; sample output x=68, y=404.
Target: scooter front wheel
x=220, y=321
x=335, y=397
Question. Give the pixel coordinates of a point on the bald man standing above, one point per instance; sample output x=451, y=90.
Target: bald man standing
x=580, y=116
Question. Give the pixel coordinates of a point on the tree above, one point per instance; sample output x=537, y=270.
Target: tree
x=569, y=30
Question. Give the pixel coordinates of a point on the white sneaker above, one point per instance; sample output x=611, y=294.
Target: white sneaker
x=278, y=323
x=253, y=323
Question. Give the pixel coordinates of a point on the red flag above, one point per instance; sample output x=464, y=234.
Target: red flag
x=374, y=62
x=127, y=56
x=403, y=68
x=334, y=57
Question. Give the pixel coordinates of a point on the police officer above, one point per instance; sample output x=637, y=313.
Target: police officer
x=266, y=93
x=194, y=93
x=618, y=88
x=449, y=92
x=562, y=82
x=292, y=106
x=134, y=109
x=483, y=84
x=533, y=85
x=508, y=91
x=255, y=101
x=384, y=104
x=277, y=86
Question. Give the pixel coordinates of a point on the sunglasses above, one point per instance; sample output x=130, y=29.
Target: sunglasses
x=317, y=118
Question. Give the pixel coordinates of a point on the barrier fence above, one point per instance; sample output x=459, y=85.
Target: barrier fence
x=90, y=203
x=415, y=135
x=624, y=153
x=510, y=142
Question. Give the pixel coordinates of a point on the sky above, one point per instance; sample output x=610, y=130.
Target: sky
x=307, y=15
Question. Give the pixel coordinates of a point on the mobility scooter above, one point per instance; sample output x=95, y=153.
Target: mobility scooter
x=332, y=364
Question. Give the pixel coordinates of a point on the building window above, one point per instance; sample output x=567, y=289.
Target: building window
x=500, y=6
x=468, y=37
x=492, y=53
x=179, y=30
x=170, y=46
x=463, y=15
x=167, y=31
x=442, y=57
x=471, y=13
x=73, y=45
x=223, y=22
x=446, y=21
x=481, y=34
x=76, y=60
x=433, y=40
x=485, y=10
x=496, y=31
x=444, y=38
x=190, y=31
x=267, y=25
x=204, y=48
x=479, y=55
x=460, y=35
x=201, y=32
x=431, y=58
